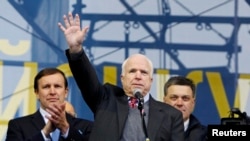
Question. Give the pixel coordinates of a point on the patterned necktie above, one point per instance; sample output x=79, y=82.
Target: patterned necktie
x=55, y=135
x=133, y=102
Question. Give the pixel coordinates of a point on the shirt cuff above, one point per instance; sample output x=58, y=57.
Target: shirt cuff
x=66, y=134
x=44, y=137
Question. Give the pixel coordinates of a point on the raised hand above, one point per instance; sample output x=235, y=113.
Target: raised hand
x=73, y=33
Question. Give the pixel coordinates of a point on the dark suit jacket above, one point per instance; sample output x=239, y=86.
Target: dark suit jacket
x=28, y=128
x=195, y=131
x=110, y=107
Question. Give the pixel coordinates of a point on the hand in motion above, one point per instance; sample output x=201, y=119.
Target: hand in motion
x=73, y=33
x=58, y=117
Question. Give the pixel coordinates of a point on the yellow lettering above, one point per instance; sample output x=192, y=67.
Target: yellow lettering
x=66, y=69
x=218, y=93
x=243, y=91
x=30, y=70
x=110, y=74
x=3, y=129
x=22, y=47
x=1, y=85
x=23, y=94
x=196, y=76
x=3, y=123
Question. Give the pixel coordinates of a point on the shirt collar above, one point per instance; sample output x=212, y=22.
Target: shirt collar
x=146, y=97
x=186, y=123
x=43, y=113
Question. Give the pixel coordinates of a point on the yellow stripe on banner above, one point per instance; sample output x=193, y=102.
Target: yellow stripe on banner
x=110, y=74
x=31, y=71
x=1, y=86
x=218, y=93
x=162, y=76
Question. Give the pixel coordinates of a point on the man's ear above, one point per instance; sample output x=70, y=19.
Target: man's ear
x=37, y=95
x=66, y=93
x=164, y=98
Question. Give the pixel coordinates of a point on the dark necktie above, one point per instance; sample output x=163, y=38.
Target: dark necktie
x=133, y=102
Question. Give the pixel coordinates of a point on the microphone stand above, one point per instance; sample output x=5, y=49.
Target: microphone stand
x=142, y=112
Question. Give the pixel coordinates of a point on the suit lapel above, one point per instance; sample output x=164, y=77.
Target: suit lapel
x=38, y=120
x=155, y=114
x=122, y=112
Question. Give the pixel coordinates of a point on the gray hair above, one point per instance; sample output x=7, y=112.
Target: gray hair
x=149, y=61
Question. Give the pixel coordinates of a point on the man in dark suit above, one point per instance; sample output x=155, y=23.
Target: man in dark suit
x=179, y=92
x=51, y=89
x=114, y=119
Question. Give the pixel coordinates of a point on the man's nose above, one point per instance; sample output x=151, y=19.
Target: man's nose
x=138, y=74
x=52, y=90
x=179, y=101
